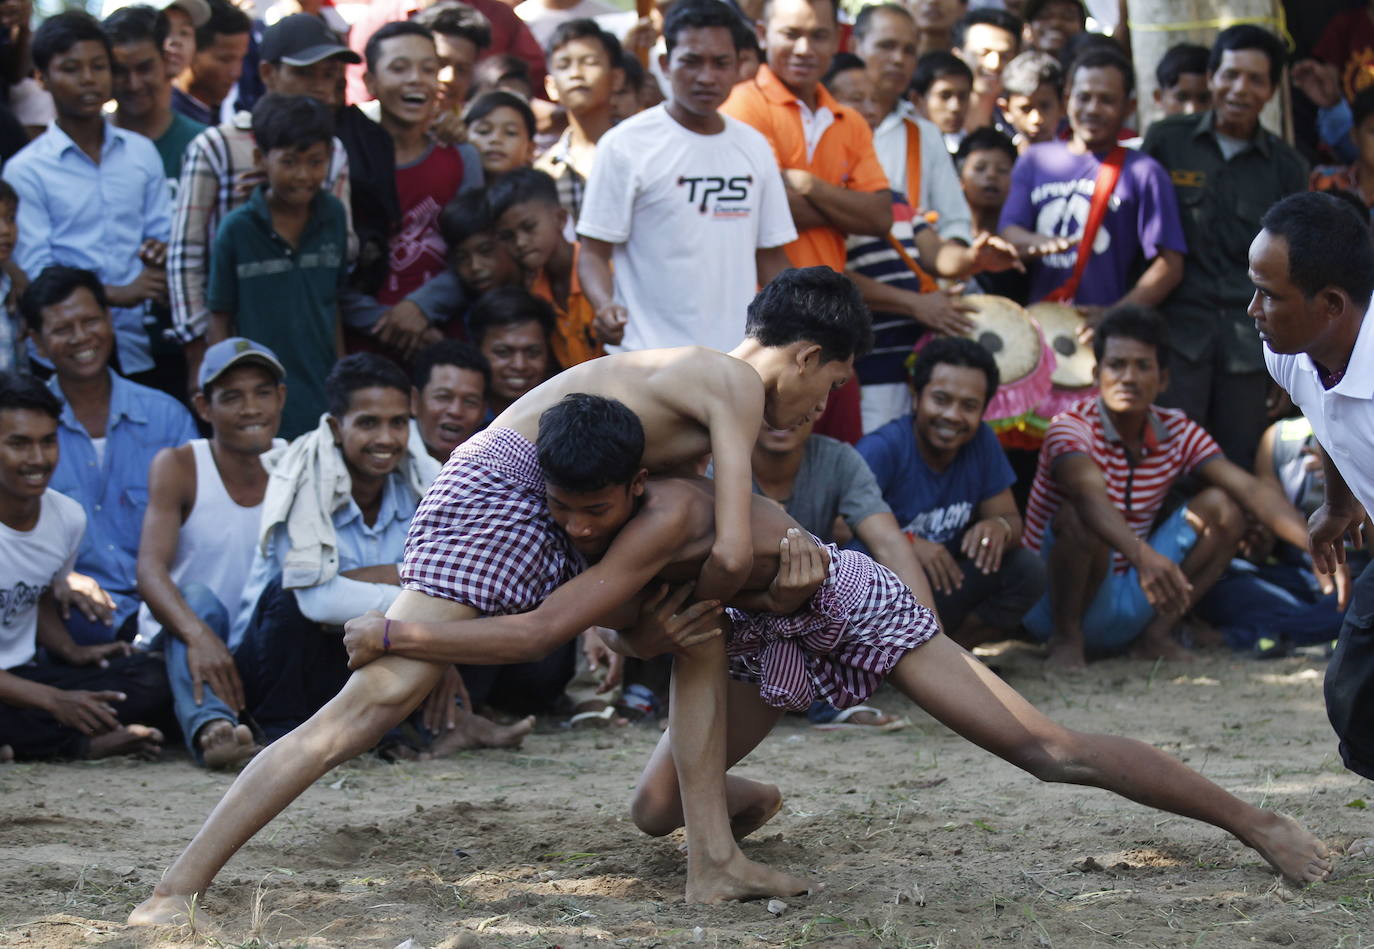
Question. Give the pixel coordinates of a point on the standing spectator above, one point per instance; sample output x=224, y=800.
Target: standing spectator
x=109, y=431
x=985, y=160
x=987, y=40
x=1227, y=170
x=512, y=329
x=1033, y=98
x=221, y=44
x=1356, y=178
x=1347, y=43
x=13, y=353
x=501, y=127
x=1050, y=24
x=543, y=17
x=91, y=194
x=184, y=17
x=935, y=21
x=477, y=255
x=449, y=399
x=678, y=191
x=461, y=35
x=940, y=88
x=1181, y=80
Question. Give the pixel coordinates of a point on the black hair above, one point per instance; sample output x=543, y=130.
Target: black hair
x=589, y=442
x=458, y=19
x=955, y=351
x=19, y=390
x=1133, y=321
x=843, y=62
x=746, y=40
x=448, y=352
x=137, y=24
x=509, y=306
x=1034, y=7
x=1029, y=71
x=985, y=139
x=520, y=185
x=812, y=305
x=225, y=20
x=987, y=16
x=1103, y=58
x=864, y=21
x=699, y=15
x=1080, y=43
x=488, y=102
x=834, y=6
x=1362, y=106
x=1328, y=244
x=1349, y=197
x=937, y=65
x=291, y=122
x=1181, y=60
x=466, y=215
x=7, y=193
x=59, y=33
x=491, y=71
x=372, y=52
x=56, y=283
x=361, y=371
x=634, y=74
x=585, y=28
x=1248, y=36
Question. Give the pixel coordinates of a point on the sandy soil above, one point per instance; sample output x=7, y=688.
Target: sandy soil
x=922, y=839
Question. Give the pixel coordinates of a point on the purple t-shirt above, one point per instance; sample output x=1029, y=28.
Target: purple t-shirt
x=1051, y=190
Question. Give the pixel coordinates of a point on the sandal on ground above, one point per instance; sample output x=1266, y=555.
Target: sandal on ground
x=880, y=721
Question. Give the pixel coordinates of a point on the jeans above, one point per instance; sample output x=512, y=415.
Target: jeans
x=190, y=716
x=1277, y=600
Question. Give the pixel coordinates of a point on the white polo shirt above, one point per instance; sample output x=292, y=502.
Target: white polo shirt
x=940, y=188
x=1342, y=417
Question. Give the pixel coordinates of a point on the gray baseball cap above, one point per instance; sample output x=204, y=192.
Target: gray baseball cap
x=237, y=351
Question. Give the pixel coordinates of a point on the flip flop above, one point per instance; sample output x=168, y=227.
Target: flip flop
x=883, y=722
x=599, y=718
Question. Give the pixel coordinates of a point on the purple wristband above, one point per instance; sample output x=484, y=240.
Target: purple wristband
x=386, y=636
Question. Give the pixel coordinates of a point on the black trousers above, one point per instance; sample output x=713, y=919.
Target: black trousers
x=1350, y=680
x=524, y=688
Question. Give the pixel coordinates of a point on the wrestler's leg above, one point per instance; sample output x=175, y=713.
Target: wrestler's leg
x=375, y=699
x=960, y=691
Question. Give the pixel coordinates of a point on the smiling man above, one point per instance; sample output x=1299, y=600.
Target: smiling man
x=449, y=399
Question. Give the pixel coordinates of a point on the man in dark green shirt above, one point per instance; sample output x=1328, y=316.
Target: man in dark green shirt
x=1227, y=170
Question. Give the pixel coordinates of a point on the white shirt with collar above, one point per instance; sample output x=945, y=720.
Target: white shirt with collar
x=940, y=188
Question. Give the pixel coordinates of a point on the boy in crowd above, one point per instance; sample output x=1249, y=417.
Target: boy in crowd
x=1050, y=24
x=513, y=330
x=1120, y=575
x=1051, y=190
x=221, y=43
x=70, y=701
x=948, y=483
x=1033, y=98
x=1181, y=79
x=681, y=190
x=1356, y=178
x=987, y=39
x=461, y=35
x=940, y=89
x=199, y=533
x=92, y=195
x=109, y=430
x=183, y=17
x=448, y=400
x=584, y=72
x=532, y=223
x=279, y=259
x=13, y=353
x=479, y=258
x=501, y=126
x=984, y=162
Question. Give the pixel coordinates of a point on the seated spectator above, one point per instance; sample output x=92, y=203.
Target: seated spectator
x=1181, y=80
x=512, y=330
x=940, y=90
x=987, y=39
x=984, y=163
x=1052, y=23
x=13, y=355
x=1356, y=178
x=91, y=194
x=501, y=127
x=1121, y=575
x=449, y=399
x=461, y=35
x=947, y=481
x=531, y=222
x=279, y=259
x=109, y=431
x=221, y=43
x=477, y=255
x=196, y=547
x=504, y=73
x=1033, y=98
x=70, y=700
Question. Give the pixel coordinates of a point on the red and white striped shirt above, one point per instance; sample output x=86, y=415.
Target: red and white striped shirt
x=1173, y=446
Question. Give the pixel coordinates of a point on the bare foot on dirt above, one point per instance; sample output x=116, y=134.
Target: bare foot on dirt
x=137, y=740
x=757, y=813
x=225, y=745
x=1292, y=851
x=160, y=910
x=741, y=879
x=1161, y=647
x=1361, y=848
x=474, y=731
x=1065, y=660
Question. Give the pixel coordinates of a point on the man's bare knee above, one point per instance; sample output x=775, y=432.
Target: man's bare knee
x=1052, y=759
x=656, y=812
x=1213, y=509
x=1069, y=527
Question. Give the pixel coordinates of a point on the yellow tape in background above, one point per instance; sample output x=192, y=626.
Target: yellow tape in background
x=1279, y=24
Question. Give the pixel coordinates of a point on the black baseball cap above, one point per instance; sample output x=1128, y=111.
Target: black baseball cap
x=303, y=40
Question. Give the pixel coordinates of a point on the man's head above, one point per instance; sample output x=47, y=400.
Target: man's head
x=850, y=83
x=816, y=324
x=477, y=254
x=403, y=73
x=512, y=327
x=984, y=161
x=369, y=414
x=183, y=17
x=529, y=217
x=942, y=84
x=301, y=56
x=501, y=126
x=799, y=38
x=702, y=58
x=1101, y=93
x=28, y=436
x=293, y=136
x=449, y=396
x=68, y=318
x=241, y=394
x=952, y=381
x=9, y=220
x=1182, y=80
x=138, y=36
x=1131, y=346
x=633, y=96
x=885, y=37
x=591, y=450
x=1033, y=95
x=221, y=45
x=72, y=56
x=460, y=35
x=987, y=39
x=1312, y=265
x=1052, y=23
x=783, y=441
x=938, y=16
x=584, y=67
x=504, y=72
x=1243, y=71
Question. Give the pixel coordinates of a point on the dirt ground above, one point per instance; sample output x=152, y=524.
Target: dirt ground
x=922, y=839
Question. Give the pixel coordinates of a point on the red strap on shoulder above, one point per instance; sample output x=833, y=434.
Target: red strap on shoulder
x=1107, y=177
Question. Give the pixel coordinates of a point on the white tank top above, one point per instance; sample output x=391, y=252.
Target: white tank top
x=215, y=546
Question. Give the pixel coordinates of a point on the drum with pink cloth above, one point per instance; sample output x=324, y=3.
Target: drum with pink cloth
x=1072, y=378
